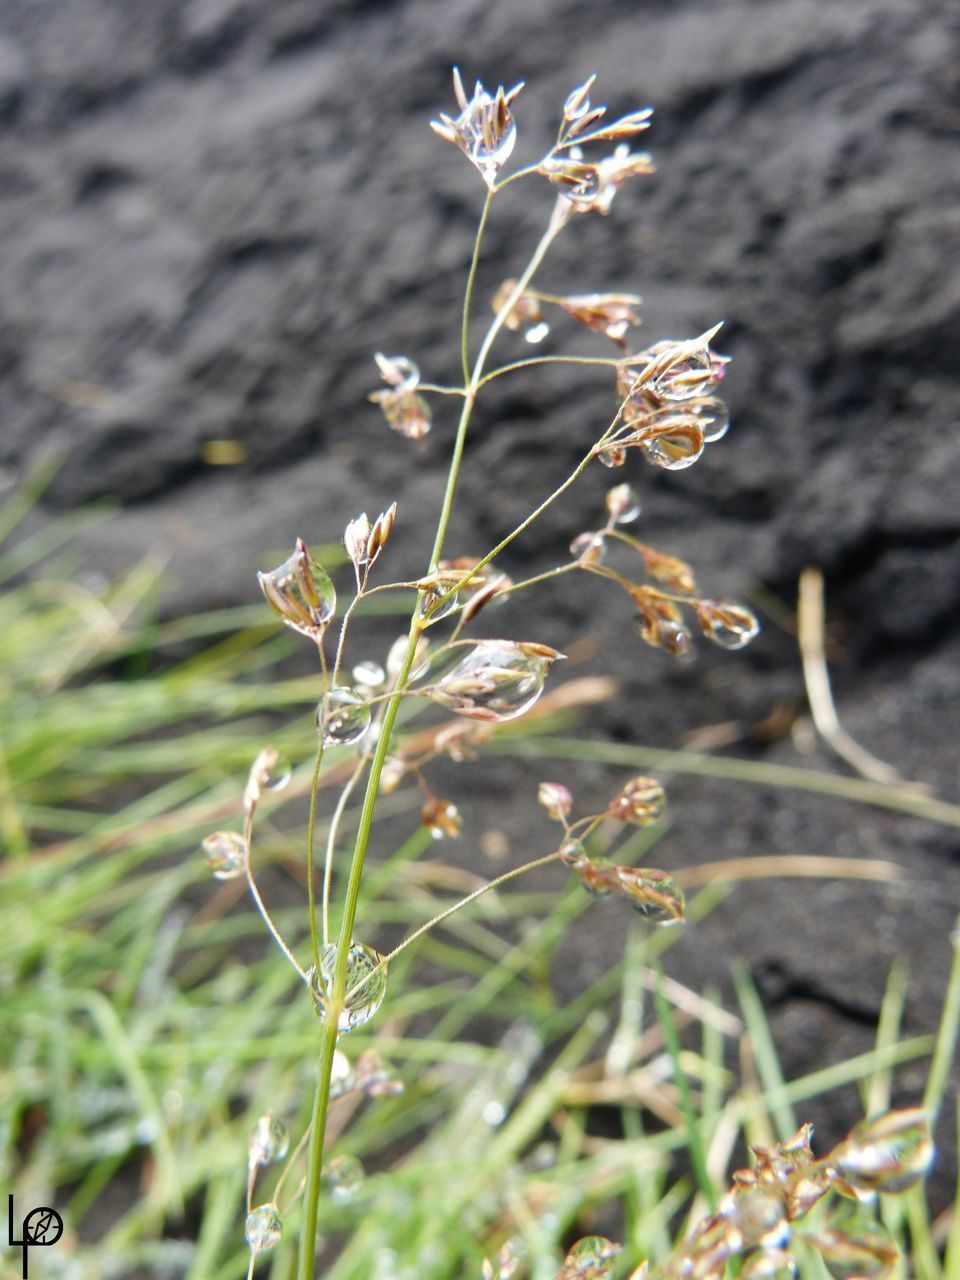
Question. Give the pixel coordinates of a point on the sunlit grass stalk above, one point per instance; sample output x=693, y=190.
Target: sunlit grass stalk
x=337, y=994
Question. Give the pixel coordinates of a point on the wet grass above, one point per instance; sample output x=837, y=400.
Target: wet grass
x=146, y=1024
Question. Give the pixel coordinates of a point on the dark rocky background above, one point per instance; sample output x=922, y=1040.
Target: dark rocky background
x=213, y=211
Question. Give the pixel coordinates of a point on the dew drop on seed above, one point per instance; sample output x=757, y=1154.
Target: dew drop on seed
x=343, y=1176
x=890, y=1153
x=654, y=895
x=277, y=769
x=674, y=448
x=769, y=1264
x=592, y=1258
x=623, y=504
x=611, y=458
x=226, y=854
x=497, y=680
x=728, y=625
x=396, y=655
x=343, y=717
x=713, y=417
x=263, y=1228
x=438, y=605
x=572, y=851
x=369, y=674
x=268, y=1141
x=364, y=994
x=687, y=378
x=863, y=1253
x=589, y=547
x=760, y=1216
x=640, y=801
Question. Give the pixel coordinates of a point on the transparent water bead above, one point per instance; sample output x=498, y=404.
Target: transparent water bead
x=270, y=771
x=300, y=592
x=573, y=852
x=725, y=624
x=673, y=445
x=623, y=504
x=263, y=1228
x=343, y=1176
x=640, y=801
x=269, y=1141
x=652, y=893
x=890, y=1152
x=497, y=680
x=363, y=998
x=769, y=1264
x=860, y=1252
x=398, y=649
x=226, y=854
x=592, y=1258
x=759, y=1215
x=369, y=674
x=686, y=378
x=589, y=547
x=713, y=417
x=343, y=717
x=437, y=605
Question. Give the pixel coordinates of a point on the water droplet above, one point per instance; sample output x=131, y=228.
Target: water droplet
x=686, y=378
x=640, y=801
x=226, y=854
x=713, y=417
x=555, y=800
x=438, y=604
x=497, y=680
x=613, y=456
x=341, y=1074
x=270, y=771
x=623, y=504
x=269, y=1141
x=760, y=1215
x=344, y=1177
x=399, y=372
x=864, y=1252
x=369, y=674
x=655, y=895
x=890, y=1152
x=537, y=332
x=396, y=655
x=672, y=444
x=343, y=717
x=590, y=548
x=592, y=1258
x=363, y=998
x=728, y=625
x=769, y=1264
x=441, y=818
x=494, y=1113
x=573, y=852
x=300, y=592
x=263, y=1228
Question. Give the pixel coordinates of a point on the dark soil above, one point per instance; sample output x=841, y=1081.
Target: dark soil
x=213, y=211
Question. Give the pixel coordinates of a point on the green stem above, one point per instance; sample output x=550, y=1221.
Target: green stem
x=468, y=295
x=311, y=838
x=533, y=360
x=338, y=985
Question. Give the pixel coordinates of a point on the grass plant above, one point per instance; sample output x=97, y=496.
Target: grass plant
x=159, y=1053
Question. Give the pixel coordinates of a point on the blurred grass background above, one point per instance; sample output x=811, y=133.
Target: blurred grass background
x=146, y=1024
